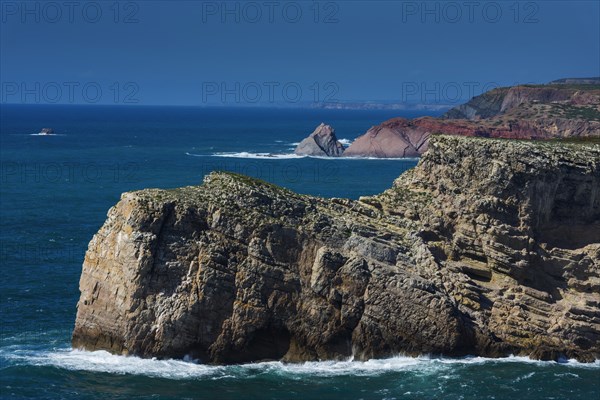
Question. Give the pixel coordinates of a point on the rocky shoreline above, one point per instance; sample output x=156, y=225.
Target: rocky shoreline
x=488, y=247
x=541, y=112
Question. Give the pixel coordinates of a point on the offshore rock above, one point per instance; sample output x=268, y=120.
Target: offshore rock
x=322, y=143
x=487, y=247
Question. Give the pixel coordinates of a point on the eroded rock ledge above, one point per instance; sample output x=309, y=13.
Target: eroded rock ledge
x=487, y=247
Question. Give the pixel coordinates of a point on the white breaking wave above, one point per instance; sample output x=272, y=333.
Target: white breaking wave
x=345, y=142
x=268, y=156
x=102, y=361
x=46, y=134
x=287, y=156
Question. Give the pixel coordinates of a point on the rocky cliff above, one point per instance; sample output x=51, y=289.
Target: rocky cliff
x=401, y=137
x=520, y=112
x=558, y=101
x=488, y=247
x=322, y=143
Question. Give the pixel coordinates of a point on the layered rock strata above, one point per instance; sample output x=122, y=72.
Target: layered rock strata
x=488, y=247
x=522, y=112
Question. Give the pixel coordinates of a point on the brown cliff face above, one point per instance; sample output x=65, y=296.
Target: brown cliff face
x=487, y=247
x=401, y=137
x=539, y=100
x=521, y=112
x=398, y=137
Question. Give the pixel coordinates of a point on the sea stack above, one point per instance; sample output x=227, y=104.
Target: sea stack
x=321, y=143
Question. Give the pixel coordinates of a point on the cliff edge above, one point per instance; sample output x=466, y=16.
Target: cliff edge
x=487, y=247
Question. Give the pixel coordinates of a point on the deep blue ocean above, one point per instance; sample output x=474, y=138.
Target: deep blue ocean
x=56, y=190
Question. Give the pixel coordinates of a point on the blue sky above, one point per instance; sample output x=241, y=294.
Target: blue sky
x=228, y=53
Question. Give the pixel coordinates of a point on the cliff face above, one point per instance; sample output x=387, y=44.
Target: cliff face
x=398, y=137
x=487, y=247
x=520, y=112
x=540, y=100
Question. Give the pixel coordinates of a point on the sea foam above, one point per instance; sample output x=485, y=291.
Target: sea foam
x=287, y=156
x=102, y=361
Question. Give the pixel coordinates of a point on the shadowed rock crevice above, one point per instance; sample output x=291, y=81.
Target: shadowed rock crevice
x=468, y=253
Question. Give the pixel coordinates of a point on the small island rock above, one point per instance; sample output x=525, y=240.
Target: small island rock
x=322, y=142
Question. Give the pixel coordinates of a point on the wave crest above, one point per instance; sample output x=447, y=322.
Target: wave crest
x=102, y=361
x=288, y=156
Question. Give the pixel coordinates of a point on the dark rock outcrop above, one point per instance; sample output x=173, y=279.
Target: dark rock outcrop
x=488, y=247
x=322, y=143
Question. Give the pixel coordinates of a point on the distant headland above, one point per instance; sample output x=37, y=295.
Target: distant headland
x=565, y=108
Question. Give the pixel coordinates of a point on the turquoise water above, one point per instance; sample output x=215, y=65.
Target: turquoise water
x=56, y=190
